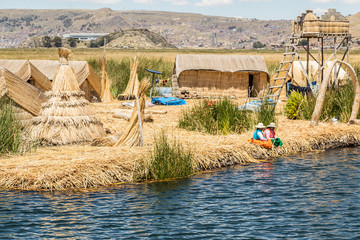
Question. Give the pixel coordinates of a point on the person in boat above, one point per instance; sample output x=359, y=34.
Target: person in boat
x=259, y=132
x=270, y=131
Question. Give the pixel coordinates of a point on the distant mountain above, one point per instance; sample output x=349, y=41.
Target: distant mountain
x=133, y=39
x=183, y=30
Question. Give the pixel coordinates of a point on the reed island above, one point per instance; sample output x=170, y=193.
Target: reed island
x=87, y=124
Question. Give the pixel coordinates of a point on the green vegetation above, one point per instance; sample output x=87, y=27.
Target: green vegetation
x=266, y=113
x=169, y=160
x=10, y=128
x=338, y=103
x=293, y=104
x=216, y=117
x=119, y=71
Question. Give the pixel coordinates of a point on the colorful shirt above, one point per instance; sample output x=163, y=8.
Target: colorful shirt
x=269, y=134
x=258, y=135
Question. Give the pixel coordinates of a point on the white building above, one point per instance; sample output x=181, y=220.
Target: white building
x=84, y=36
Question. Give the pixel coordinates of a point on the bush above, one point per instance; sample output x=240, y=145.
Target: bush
x=293, y=105
x=216, y=117
x=169, y=160
x=10, y=128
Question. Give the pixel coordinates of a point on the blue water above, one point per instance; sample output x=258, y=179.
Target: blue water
x=309, y=196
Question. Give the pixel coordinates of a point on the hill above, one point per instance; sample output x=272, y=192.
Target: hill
x=183, y=30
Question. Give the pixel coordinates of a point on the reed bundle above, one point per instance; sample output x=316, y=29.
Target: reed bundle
x=131, y=137
x=133, y=84
x=66, y=117
x=65, y=78
x=106, y=95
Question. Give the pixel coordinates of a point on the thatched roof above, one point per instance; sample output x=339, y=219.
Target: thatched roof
x=223, y=63
x=26, y=70
x=24, y=94
x=12, y=65
x=82, y=70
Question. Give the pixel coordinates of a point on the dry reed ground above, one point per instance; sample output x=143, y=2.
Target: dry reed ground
x=84, y=166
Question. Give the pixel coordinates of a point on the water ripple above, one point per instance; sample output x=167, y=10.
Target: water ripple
x=308, y=196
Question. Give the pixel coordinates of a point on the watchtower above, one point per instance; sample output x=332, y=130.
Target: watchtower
x=330, y=31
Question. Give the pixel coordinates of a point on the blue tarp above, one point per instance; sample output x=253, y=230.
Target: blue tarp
x=254, y=105
x=168, y=101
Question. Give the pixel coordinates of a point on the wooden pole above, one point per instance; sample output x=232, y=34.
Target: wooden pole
x=140, y=122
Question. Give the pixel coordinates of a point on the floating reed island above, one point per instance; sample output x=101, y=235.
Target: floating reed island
x=86, y=166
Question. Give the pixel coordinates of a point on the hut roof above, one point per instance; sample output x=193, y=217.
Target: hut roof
x=25, y=70
x=82, y=70
x=24, y=94
x=223, y=63
x=12, y=65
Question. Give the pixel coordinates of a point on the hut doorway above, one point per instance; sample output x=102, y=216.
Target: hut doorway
x=251, y=92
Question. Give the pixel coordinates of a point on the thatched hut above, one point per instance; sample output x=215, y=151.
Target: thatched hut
x=67, y=117
x=240, y=76
x=27, y=98
x=27, y=72
x=88, y=81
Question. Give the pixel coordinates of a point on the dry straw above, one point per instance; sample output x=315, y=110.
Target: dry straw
x=105, y=82
x=133, y=84
x=132, y=135
x=67, y=117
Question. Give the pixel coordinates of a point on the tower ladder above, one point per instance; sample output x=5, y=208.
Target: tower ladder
x=282, y=73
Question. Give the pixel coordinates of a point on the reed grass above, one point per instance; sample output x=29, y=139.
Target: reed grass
x=10, y=128
x=119, y=71
x=338, y=104
x=216, y=117
x=266, y=113
x=169, y=159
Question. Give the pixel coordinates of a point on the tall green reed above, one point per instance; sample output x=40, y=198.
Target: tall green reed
x=216, y=117
x=266, y=113
x=169, y=159
x=119, y=71
x=10, y=128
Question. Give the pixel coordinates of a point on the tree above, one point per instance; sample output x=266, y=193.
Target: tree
x=258, y=44
x=46, y=41
x=72, y=42
x=57, y=41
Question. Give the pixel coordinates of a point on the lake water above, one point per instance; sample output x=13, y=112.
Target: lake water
x=309, y=196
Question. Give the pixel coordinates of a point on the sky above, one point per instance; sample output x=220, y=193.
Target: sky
x=260, y=9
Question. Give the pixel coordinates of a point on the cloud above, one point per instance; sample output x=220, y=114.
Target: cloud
x=214, y=2
x=98, y=1
x=320, y=11
x=177, y=2
x=337, y=1
x=143, y=1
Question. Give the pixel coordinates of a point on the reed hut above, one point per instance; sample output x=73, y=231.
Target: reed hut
x=238, y=76
x=27, y=72
x=67, y=117
x=87, y=79
x=27, y=98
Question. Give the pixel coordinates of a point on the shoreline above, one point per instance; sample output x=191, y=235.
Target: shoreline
x=83, y=166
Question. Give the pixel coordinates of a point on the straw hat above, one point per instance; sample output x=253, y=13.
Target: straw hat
x=272, y=125
x=260, y=125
